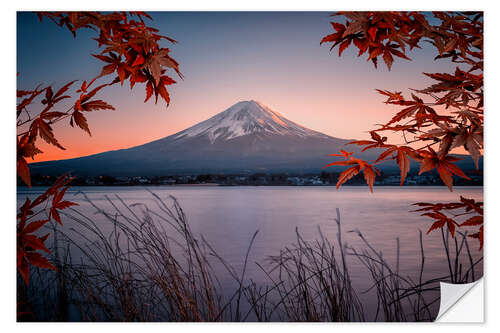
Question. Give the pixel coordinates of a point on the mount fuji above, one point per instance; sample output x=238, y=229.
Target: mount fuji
x=246, y=138
x=246, y=118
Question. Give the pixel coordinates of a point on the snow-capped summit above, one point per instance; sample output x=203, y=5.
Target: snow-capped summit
x=244, y=118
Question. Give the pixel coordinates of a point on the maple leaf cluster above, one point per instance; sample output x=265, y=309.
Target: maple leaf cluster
x=448, y=114
x=131, y=50
x=437, y=211
x=30, y=221
x=32, y=126
x=358, y=166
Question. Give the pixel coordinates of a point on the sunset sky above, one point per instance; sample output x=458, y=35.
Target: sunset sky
x=225, y=57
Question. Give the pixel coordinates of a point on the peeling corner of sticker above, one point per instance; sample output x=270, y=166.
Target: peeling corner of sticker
x=461, y=303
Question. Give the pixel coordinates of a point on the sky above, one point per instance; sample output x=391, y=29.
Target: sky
x=225, y=57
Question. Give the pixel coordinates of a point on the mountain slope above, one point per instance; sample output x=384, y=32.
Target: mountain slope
x=246, y=118
x=248, y=137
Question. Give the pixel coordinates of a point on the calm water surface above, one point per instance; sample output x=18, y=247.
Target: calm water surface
x=228, y=216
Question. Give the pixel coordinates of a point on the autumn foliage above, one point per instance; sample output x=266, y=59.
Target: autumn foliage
x=431, y=121
x=446, y=215
x=132, y=53
x=31, y=218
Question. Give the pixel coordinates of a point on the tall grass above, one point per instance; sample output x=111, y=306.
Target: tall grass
x=309, y=281
x=143, y=264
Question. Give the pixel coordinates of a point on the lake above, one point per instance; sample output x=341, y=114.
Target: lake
x=228, y=216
